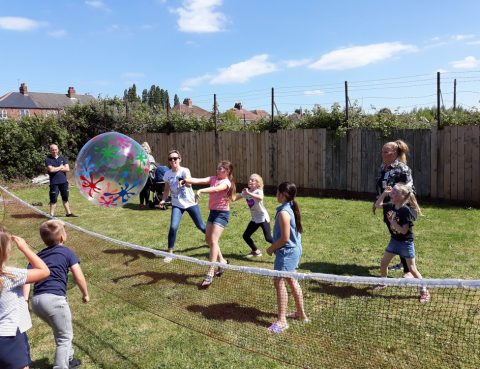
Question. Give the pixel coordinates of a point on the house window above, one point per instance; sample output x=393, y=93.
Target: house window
x=3, y=114
x=24, y=113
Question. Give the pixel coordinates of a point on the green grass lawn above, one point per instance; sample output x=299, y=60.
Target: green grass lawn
x=148, y=314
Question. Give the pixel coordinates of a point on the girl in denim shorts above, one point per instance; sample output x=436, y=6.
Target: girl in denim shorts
x=221, y=192
x=399, y=215
x=287, y=247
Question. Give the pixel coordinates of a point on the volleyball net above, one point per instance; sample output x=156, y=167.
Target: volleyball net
x=352, y=325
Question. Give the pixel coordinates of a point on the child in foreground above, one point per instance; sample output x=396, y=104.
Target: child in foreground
x=399, y=218
x=14, y=316
x=260, y=219
x=287, y=246
x=49, y=301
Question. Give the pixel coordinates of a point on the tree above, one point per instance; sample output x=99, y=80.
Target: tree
x=145, y=96
x=176, y=100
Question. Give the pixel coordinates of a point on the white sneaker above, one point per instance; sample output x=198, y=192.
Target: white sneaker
x=168, y=259
x=253, y=255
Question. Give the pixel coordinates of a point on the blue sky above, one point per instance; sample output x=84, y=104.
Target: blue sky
x=388, y=51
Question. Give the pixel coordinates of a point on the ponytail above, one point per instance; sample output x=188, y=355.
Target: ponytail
x=402, y=151
x=412, y=200
x=298, y=217
x=289, y=190
x=232, y=191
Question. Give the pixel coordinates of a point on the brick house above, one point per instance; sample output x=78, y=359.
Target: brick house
x=248, y=116
x=188, y=108
x=20, y=104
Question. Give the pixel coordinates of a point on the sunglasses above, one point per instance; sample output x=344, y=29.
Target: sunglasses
x=174, y=158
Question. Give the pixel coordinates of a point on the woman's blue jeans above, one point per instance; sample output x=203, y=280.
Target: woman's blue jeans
x=194, y=212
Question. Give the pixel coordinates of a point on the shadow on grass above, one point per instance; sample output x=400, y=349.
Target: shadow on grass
x=132, y=253
x=341, y=269
x=156, y=277
x=195, y=248
x=348, y=291
x=233, y=311
x=28, y=216
x=41, y=364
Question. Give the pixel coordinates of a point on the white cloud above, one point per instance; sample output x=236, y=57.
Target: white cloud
x=469, y=62
x=313, y=93
x=193, y=82
x=19, y=24
x=245, y=70
x=359, y=56
x=236, y=73
x=200, y=16
x=477, y=42
x=58, y=33
x=296, y=63
x=462, y=37
x=96, y=4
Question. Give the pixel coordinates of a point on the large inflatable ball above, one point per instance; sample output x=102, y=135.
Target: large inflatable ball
x=111, y=169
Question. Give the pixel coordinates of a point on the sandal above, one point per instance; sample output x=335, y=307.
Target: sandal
x=295, y=316
x=207, y=281
x=220, y=271
x=424, y=296
x=277, y=328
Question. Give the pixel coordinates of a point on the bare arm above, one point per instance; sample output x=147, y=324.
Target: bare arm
x=166, y=192
x=284, y=219
x=395, y=226
x=379, y=203
x=256, y=196
x=196, y=181
x=39, y=269
x=79, y=278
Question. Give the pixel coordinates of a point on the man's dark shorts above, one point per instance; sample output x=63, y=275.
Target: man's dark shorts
x=55, y=189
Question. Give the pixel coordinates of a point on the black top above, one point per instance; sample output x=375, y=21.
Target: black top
x=57, y=177
x=403, y=215
x=390, y=175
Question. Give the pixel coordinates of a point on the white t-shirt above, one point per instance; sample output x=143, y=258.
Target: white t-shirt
x=257, y=209
x=182, y=196
x=13, y=307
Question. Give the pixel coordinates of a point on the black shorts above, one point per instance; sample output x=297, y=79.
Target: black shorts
x=55, y=189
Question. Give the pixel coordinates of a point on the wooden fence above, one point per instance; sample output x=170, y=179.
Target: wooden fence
x=444, y=163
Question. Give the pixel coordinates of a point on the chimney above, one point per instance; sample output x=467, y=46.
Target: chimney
x=23, y=89
x=238, y=106
x=71, y=92
x=187, y=102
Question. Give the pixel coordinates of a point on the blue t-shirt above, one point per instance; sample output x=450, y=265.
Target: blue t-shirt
x=59, y=259
x=57, y=177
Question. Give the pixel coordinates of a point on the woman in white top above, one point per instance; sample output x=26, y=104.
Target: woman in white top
x=14, y=316
x=183, y=198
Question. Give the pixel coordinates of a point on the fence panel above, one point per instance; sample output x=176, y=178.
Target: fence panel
x=445, y=163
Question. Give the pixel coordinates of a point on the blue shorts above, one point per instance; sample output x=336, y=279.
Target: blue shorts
x=219, y=217
x=287, y=259
x=406, y=249
x=14, y=351
x=55, y=189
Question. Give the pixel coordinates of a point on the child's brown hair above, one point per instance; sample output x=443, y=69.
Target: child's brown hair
x=52, y=231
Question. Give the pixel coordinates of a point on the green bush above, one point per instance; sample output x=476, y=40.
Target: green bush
x=24, y=145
